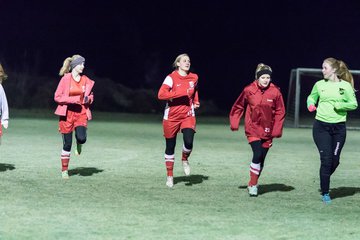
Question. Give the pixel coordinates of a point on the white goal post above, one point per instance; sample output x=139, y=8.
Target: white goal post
x=300, y=85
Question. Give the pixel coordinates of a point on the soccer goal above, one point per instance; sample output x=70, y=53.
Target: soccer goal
x=300, y=84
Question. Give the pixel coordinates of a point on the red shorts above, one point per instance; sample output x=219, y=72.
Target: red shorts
x=171, y=128
x=68, y=123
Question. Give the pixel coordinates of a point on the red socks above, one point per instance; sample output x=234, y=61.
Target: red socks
x=169, y=160
x=254, y=173
x=185, y=154
x=169, y=163
x=65, y=158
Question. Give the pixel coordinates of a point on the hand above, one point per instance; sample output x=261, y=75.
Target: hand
x=196, y=105
x=311, y=108
x=91, y=98
x=86, y=100
x=233, y=128
x=5, y=123
x=337, y=106
x=267, y=144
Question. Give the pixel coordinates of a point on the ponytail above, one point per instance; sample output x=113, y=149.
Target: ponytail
x=67, y=64
x=342, y=70
x=3, y=75
x=65, y=67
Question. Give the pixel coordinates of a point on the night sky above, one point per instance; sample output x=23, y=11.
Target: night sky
x=135, y=42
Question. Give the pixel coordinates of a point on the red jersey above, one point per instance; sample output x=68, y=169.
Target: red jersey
x=77, y=88
x=181, y=95
x=265, y=111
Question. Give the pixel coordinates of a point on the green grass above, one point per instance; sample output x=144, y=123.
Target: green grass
x=117, y=187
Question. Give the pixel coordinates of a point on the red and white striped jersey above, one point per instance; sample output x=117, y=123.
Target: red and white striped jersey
x=181, y=94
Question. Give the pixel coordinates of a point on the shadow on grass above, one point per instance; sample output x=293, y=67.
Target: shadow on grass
x=190, y=180
x=343, y=192
x=5, y=166
x=274, y=187
x=84, y=171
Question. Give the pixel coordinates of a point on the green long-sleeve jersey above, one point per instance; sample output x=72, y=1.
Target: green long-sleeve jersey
x=335, y=99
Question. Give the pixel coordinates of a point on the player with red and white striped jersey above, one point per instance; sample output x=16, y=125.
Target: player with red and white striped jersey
x=4, y=108
x=179, y=89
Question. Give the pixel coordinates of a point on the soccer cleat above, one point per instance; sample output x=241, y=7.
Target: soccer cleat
x=78, y=149
x=65, y=174
x=170, y=181
x=253, y=191
x=326, y=198
x=186, y=167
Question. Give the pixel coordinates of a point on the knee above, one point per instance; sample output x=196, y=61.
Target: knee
x=188, y=145
x=170, y=149
x=257, y=158
x=326, y=160
x=336, y=162
x=67, y=147
x=81, y=139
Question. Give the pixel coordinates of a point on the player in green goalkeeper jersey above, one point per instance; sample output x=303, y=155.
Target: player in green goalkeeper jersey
x=334, y=96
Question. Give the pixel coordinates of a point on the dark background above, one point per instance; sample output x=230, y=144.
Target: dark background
x=135, y=42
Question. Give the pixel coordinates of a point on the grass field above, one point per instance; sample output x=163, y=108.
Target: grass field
x=117, y=186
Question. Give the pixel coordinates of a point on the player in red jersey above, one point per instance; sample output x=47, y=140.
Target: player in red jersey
x=179, y=89
x=74, y=96
x=4, y=108
x=264, y=118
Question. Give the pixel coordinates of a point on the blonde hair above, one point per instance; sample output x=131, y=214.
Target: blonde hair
x=178, y=58
x=66, y=65
x=262, y=67
x=3, y=75
x=341, y=70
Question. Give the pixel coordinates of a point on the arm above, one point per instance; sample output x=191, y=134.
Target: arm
x=312, y=98
x=237, y=111
x=62, y=98
x=196, y=100
x=349, y=101
x=279, y=117
x=89, y=99
x=4, y=105
x=166, y=92
x=89, y=95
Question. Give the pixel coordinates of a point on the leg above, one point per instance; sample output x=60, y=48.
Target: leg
x=80, y=135
x=169, y=160
x=188, y=137
x=171, y=128
x=255, y=166
x=339, y=139
x=323, y=141
x=65, y=154
x=264, y=150
x=169, y=155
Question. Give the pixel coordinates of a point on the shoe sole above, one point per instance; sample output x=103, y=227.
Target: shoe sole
x=185, y=172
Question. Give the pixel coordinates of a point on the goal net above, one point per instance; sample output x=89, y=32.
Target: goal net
x=300, y=84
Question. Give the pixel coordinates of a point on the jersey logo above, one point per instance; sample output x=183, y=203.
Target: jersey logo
x=191, y=83
x=269, y=100
x=341, y=91
x=178, y=85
